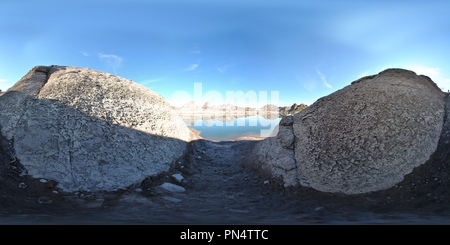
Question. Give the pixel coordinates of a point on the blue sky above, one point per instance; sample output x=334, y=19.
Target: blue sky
x=302, y=49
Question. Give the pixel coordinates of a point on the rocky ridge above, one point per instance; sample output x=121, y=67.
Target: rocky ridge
x=89, y=130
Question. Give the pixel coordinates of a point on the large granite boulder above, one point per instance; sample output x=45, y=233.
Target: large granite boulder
x=362, y=138
x=90, y=130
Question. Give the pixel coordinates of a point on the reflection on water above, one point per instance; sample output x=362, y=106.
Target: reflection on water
x=231, y=128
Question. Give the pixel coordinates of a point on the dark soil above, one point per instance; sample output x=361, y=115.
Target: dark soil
x=221, y=188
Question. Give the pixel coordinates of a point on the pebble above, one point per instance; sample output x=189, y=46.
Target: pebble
x=138, y=190
x=266, y=182
x=178, y=177
x=230, y=196
x=319, y=209
x=95, y=203
x=172, y=199
x=44, y=200
x=55, y=192
x=43, y=181
x=238, y=211
x=199, y=157
x=22, y=185
x=172, y=187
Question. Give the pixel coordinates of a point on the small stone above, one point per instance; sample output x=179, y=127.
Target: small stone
x=44, y=200
x=199, y=157
x=94, y=203
x=238, y=211
x=172, y=187
x=43, y=181
x=172, y=199
x=266, y=182
x=138, y=190
x=22, y=185
x=230, y=196
x=319, y=209
x=178, y=177
x=55, y=192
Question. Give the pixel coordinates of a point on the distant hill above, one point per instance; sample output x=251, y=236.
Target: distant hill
x=231, y=110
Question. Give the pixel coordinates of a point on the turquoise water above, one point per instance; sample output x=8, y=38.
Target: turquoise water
x=218, y=130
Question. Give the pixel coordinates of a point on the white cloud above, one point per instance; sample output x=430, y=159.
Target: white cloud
x=151, y=81
x=427, y=71
x=2, y=80
x=309, y=85
x=195, y=52
x=323, y=79
x=224, y=68
x=112, y=60
x=365, y=73
x=85, y=54
x=191, y=67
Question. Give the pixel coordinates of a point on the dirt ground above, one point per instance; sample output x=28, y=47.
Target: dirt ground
x=219, y=187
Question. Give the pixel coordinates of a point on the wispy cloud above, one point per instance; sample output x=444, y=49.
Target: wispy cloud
x=304, y=79
x=365, y=73
x=112, y=60
x=309, y=85
x=191, y=67
x=323, y=79
x=2, y=80
x=427, y=71
x=435, y=73
x=85, y=54
x=151, y=81
x=194, y=50
x=223, y=69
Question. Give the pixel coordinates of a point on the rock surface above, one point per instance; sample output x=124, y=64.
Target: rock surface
x=362, y=138
x=275, y=155
x=89, y=130
x=294, y=109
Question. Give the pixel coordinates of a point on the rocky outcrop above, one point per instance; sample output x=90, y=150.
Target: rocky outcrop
x=90, y=130
x=275, y=155
x=362, y=138
x=294, y=109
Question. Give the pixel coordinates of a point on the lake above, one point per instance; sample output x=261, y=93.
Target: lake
x=232, y=128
